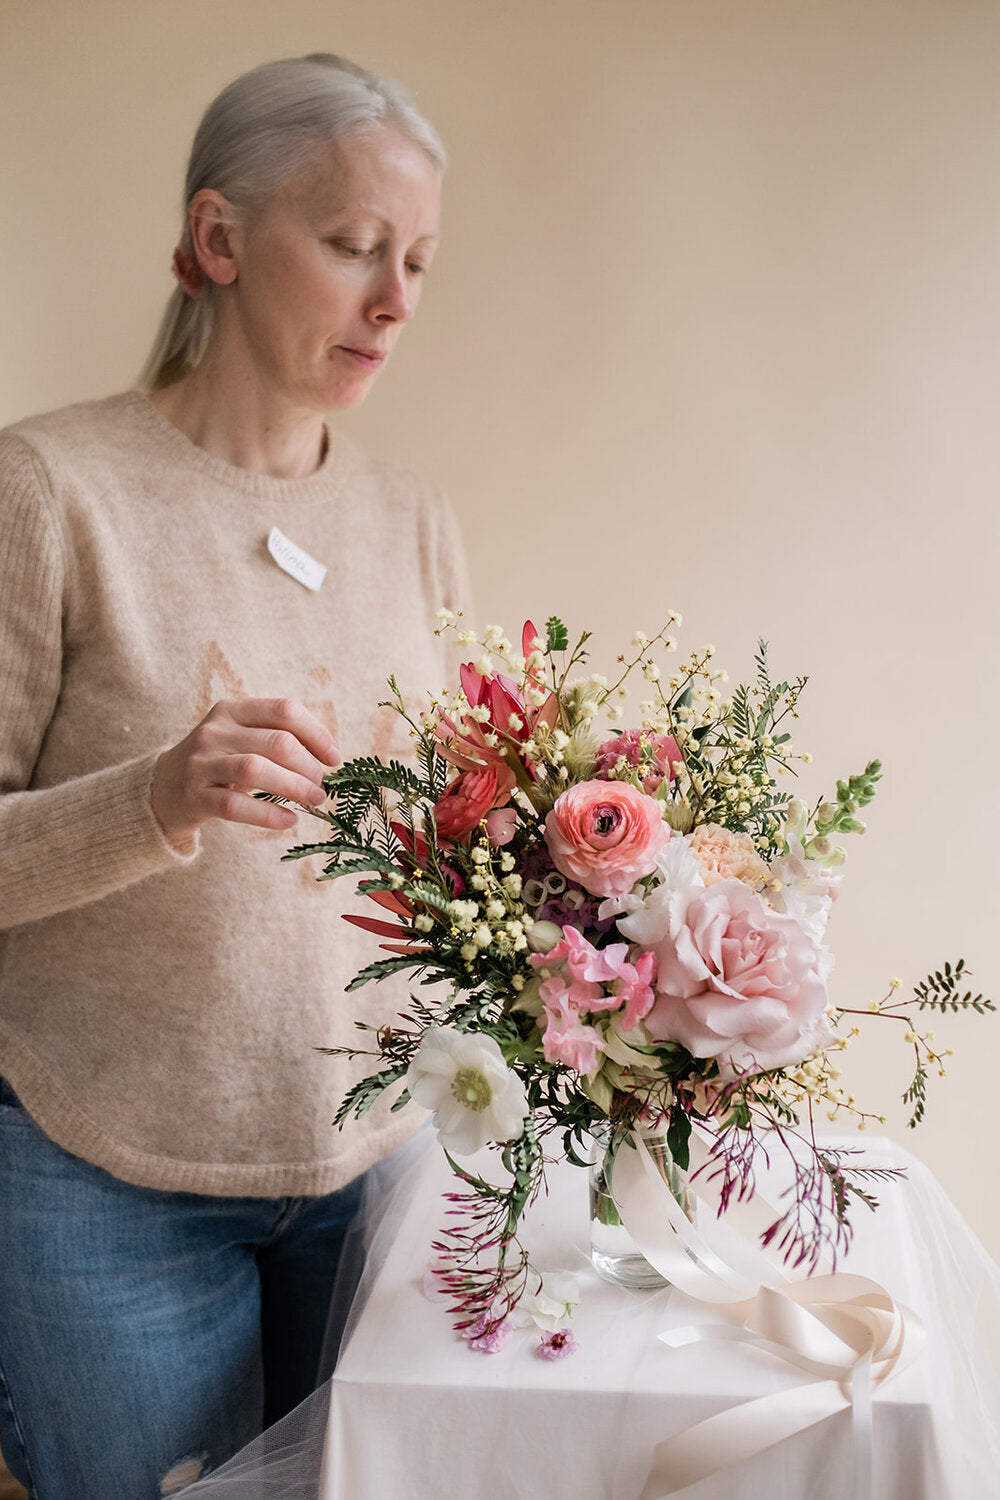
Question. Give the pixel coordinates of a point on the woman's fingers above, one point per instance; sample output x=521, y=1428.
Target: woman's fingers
x=248, y=745
x=284, y=716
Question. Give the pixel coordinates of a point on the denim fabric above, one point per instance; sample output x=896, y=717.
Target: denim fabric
x=140, y=1329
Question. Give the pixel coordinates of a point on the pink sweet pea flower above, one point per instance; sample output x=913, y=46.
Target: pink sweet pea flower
x=633, y=993
x=605, y=835
x=566, y=1039
x=589, y=979
x=590, y=968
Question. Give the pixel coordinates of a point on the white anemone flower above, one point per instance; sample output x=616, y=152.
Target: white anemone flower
x=475, y=1097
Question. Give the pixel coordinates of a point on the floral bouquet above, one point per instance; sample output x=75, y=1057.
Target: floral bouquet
x=618, y=929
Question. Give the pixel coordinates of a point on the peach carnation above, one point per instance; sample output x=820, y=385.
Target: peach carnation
x=724, y=855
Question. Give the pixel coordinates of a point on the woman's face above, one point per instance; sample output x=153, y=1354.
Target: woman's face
x=331, y=271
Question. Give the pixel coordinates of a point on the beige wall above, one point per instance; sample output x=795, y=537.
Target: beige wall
x=715, y=326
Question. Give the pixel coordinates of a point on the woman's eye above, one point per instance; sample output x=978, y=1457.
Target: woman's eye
x=354, y=252
x=415, y=268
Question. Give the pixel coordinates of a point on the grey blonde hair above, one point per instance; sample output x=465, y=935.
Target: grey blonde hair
x=259, y=134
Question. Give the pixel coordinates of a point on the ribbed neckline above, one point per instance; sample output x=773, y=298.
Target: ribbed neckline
x=322, y=484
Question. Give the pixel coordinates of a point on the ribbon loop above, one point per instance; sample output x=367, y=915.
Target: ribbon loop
x=843, y=1330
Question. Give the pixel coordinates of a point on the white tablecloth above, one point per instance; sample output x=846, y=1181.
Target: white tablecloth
x=416, y=1415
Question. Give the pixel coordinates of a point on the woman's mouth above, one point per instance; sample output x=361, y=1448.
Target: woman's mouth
x=368, y=359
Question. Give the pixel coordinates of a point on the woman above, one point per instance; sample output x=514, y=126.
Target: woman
x=172, y=1196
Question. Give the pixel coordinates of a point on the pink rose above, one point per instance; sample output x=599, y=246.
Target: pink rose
x=605, y=835
x=472, y=797
x=736, y=980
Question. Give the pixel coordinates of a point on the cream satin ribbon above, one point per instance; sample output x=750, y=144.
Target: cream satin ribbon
x=842, y=1329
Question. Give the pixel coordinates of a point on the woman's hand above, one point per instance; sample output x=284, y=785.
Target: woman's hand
x=240, y=747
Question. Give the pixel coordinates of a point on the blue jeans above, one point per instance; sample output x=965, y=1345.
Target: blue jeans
x=146, y=1336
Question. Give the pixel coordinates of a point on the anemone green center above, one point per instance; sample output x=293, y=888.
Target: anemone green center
x=471, y=1088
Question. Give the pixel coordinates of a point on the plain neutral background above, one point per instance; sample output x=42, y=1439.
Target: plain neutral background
x=714, y=327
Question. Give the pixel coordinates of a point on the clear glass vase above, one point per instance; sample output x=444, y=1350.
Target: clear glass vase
x=614, y=1253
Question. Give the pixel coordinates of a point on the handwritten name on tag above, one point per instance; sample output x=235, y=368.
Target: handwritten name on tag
x=294, y=561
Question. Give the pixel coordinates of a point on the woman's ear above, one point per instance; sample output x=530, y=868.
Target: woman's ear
x=211, y=220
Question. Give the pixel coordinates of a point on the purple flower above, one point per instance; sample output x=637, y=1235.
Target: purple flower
x=557, y=1345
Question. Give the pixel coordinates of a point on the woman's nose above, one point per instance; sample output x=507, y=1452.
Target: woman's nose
x=393, y=301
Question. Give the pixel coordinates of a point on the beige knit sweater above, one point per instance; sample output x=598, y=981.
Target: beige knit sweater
x=159, y=1012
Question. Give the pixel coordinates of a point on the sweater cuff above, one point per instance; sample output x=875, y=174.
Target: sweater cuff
x=74, y=843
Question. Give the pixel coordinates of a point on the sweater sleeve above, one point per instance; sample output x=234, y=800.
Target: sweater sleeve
x=60, y=846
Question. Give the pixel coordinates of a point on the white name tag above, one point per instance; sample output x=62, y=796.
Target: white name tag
x=295, y=562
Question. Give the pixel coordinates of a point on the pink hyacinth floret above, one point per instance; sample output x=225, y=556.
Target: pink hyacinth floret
x=662, y=756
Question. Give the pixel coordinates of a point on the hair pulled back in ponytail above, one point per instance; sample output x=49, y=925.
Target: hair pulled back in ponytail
x=258, y=135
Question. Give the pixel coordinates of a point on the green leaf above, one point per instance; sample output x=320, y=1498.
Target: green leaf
x=679, y=1139
x=384, y=966
x=557, y=636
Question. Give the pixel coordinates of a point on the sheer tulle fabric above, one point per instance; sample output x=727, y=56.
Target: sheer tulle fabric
x=514, y=1428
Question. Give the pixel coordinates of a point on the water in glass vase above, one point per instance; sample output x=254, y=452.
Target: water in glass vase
x=613, y=1252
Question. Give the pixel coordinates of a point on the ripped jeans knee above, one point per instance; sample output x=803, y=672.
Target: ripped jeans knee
x=182, y=1474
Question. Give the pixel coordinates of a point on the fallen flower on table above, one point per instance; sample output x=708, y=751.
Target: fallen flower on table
x=557, y=1345
x=487, y=1336
x=557, y=1299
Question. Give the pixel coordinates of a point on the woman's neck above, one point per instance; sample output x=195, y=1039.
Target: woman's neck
x=237, y=422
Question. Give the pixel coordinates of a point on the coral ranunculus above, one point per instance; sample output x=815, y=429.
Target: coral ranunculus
x=605, y=835
x=736, y=980
x=470, y=798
